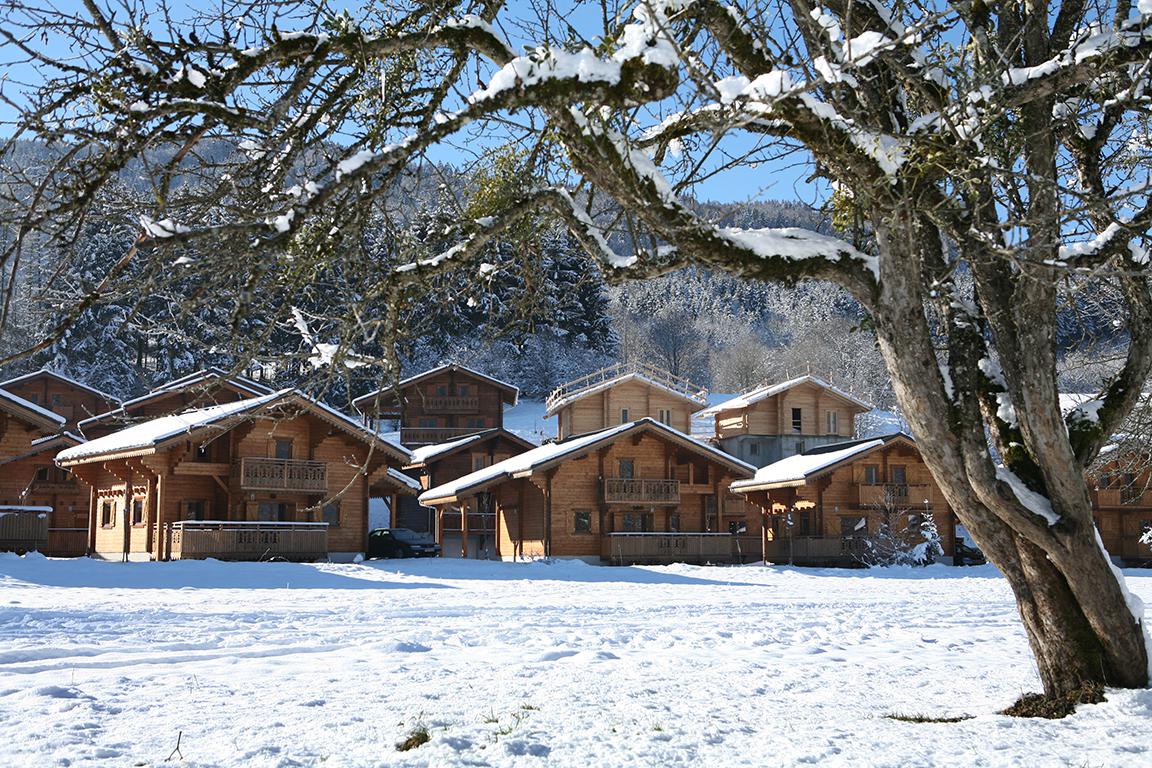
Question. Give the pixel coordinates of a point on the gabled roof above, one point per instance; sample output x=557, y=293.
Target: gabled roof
x=511, y=393
x=30, y=413
x=59, y=377
x=551, y=454
x=769, y=390
x=148, y=436
x=428, y=453
x=555, y=403
x=206, y=380
x=797, y=470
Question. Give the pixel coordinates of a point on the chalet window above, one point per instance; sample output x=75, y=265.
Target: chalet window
x=797, y=419
x=427, y=423
x=1104, y=481
x=871, y=474
x=442, y=390
x=283, y=448
x=853, y=526
x=34, y=399
x=708, y=501
x=666, y=416
x=627, y=468
x=56, y=400
x=1130, y=492
x=833, y=423
x=479, y=461
x=582, y=521
x=107, y=514
x=331, y=514
x=637, y=522
x=462, y=390
x=738, y=527
x=272, y=512
x=899, y=475
x=624, y=416
x=673, y=522
x=194, y=509
x=42, y=474
x=476, y=422
x=137, y=511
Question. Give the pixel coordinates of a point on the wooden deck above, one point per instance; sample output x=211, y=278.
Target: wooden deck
x=196, y=540
x=665, y=548
x=24, y=530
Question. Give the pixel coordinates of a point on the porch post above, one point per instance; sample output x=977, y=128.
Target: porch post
x=464, y=530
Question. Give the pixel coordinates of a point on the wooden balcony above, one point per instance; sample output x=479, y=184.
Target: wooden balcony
x=223, y=540
x=627, y=490
x=23, y=530
x=900, y=494
x=283, y=475
x=664, y=548
x=451, y=404
x=433, y=435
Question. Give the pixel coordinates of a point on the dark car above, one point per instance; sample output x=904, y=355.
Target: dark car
x=401, y=542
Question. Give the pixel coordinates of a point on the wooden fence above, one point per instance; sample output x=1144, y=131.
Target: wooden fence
x=67, y=542
x=829, y=551
x=24, y=529
x=196, y=540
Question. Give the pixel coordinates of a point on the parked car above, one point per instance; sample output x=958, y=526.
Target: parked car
x=401, y=542
x=967, y=554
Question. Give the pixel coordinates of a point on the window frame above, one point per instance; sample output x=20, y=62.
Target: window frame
x=798, y=420
x=581, y=521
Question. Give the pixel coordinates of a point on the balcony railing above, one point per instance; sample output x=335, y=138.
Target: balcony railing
x=816, y=550
x=432, y=435
x=671, y=381
x=656, y=548
x=882, y=494
x=451, y=404
x=283, y=475
x=627, y=490
x=224, y=540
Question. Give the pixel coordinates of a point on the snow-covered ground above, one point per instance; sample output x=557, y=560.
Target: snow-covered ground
x=275, y=664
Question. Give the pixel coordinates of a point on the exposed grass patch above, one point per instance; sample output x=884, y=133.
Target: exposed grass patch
x=416, y=737
x=920, y=718
x=1055, y=707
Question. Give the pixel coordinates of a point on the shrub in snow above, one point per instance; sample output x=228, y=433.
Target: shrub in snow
x=904, y=536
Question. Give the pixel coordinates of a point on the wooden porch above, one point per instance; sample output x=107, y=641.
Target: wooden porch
x=223, y=540
x=665, y=548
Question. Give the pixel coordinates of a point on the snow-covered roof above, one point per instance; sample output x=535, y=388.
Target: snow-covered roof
x=769, y=390
x=183, y=384
x=427, y=453
x=59, y=377
x=404, y=479
x=555, y=404
x=371, y=397
x=41, y=444
x=550, y=453
x=29, y=408
x=797, y=470
x=65, y=435
x=150, y=434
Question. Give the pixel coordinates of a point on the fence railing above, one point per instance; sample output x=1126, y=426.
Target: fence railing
x=671, y=381
x=257, y=474
x=224, y=540
x=451, y=404
x=23, y=530
x=624, y=490
x=67, y=542
x=655, y=548
x=815, y=550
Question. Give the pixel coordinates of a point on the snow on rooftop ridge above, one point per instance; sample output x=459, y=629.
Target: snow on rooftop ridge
x=769, y=390
x=404, y=479
x=31, y=406
x=426, y=453
x=618, y=373
x=150, y=433
x=61, y=377
x=535, y=457
x=798, y=468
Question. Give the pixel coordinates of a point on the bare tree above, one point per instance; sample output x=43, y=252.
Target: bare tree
x=982, y=153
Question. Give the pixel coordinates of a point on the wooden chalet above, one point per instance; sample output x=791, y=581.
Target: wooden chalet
x=439, y=405
x=211, y=386
x=74, y=400
x=42, y=507
x=624, y=393
x=775, y=421
x=835, y=495
x=278, y=476
x=440, y=463
x=639, y=492
x=1122, y=503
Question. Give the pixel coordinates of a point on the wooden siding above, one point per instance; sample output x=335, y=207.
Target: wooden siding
x=602, y=409
x=439, y=403
x=73, y=403
x=773, y=415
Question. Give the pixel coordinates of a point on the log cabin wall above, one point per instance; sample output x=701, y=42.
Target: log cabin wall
x=1122, y=509
x=73, y=403
x=603, y=409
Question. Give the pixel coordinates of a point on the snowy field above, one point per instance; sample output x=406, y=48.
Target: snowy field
x=271, y=664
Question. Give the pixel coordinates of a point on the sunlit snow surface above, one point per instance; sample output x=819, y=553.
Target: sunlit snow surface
x=276, y=664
